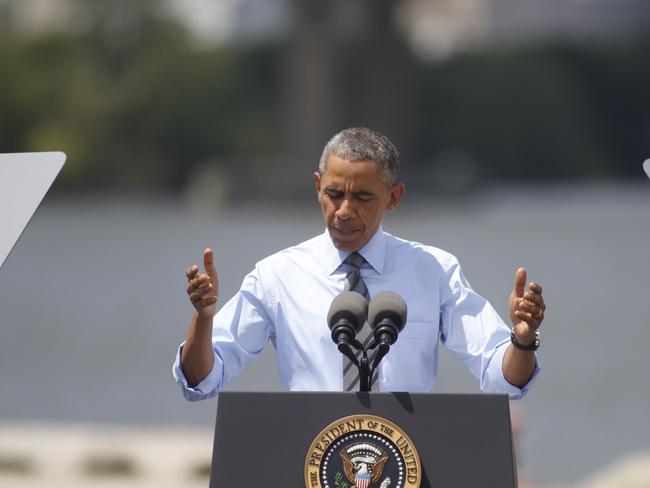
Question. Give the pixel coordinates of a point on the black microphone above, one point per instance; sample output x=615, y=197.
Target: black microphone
x=348, y=312
x=387, y=316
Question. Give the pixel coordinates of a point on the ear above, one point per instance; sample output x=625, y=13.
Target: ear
x=317, y=180
x=396, y=193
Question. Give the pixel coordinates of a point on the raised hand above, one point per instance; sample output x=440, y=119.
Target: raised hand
x=203, y=288
x=526, y=307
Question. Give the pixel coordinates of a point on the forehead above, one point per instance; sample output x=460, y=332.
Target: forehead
x=342, y=171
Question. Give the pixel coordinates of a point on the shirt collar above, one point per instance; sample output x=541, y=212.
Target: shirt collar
x=374, y=252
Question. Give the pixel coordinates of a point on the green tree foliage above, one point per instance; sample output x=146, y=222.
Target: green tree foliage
x=547, y=112
x=139, y=115
x=141, y=107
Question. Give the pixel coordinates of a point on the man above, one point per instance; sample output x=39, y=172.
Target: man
x=285, y=299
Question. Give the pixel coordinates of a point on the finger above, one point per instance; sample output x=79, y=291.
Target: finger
x=203, y=290
x=208, y=262
x=206, y=302
x=534, y=298
x=206, y=289
x=520, y=282
x=207, y=295
x=191, y=272
x=529, y=318
x=201, y=280
x=527, y=307
x=202, y=293
x=195, y=296
x=535, y=287
x=198, y=281
x=541, y=307
x=535, y=310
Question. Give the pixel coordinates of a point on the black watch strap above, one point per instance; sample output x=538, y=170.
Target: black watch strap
x=525, y=347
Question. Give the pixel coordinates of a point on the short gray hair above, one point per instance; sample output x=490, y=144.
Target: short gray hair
x=363, y=144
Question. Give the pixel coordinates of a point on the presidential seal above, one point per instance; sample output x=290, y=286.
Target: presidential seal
x=362, y=451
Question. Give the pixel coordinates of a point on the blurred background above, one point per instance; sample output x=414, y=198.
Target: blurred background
x=522, y=127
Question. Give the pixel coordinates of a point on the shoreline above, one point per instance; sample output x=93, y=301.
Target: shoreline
x=42, y=454
x=36, y=454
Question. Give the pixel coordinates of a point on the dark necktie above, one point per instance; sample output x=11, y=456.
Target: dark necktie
x=354, y=282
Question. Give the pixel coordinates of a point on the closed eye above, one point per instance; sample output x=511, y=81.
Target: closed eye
x=334, y=194
x=364, y=196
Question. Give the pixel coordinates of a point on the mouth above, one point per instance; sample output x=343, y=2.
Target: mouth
x=344, y=232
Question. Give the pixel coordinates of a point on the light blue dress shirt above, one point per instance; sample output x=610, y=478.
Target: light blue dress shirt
x=285, y=300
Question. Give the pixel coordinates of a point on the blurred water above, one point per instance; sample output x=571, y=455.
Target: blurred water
x=92, y=307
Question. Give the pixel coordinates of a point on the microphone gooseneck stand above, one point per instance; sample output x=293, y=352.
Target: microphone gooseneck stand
x=366, y=369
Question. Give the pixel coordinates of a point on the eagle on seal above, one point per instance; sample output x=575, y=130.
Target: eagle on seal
x=363, y=475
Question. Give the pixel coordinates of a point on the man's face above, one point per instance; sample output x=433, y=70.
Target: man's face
x=354, y=197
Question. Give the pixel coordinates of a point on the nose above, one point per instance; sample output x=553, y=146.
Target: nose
x=345, y=210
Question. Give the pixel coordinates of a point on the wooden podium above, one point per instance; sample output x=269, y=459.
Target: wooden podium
x=284, y=439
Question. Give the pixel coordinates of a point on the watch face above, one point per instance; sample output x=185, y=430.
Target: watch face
x=536, y=343
x=525, y=347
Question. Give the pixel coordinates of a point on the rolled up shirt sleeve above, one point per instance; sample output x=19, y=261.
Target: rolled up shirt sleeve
x=207, y=388
x=493, y=380
x=473, y=331
x=241, y=330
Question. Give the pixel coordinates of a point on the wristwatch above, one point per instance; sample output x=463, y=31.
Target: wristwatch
x=525, y=347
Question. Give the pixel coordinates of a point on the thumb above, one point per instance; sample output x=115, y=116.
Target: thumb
x=520, y=283
x=208, y=263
